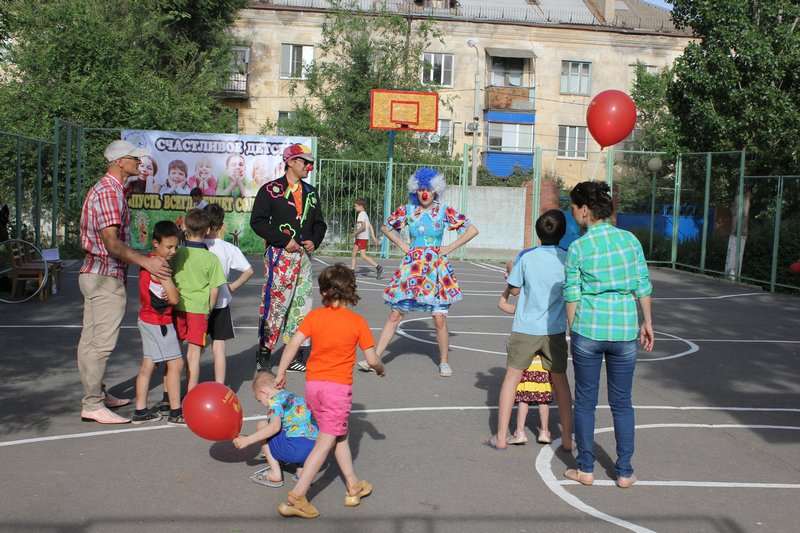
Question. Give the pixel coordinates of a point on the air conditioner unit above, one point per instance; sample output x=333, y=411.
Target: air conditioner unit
x=470, y=128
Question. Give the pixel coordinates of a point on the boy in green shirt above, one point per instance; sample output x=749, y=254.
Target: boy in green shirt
x=197, y=274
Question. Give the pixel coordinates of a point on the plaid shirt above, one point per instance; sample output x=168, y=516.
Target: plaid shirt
x=605, y=272
x=105, y=206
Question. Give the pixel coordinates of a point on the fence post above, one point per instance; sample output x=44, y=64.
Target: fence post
x=676, y=207
x=56, y=156
x=79, y=165
x=68, y=183
x=776, y=236
x=706, y=200
x=739, y=219
x=18, y=206
x=387, y=201
x=37, y=210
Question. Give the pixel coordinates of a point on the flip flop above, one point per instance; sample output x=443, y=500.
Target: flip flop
x=493, y=445
x=261, y=478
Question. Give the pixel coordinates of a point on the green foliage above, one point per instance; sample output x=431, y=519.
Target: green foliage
x=360, y=52
x=737, y=87
x=121, y=63
x=658, y=126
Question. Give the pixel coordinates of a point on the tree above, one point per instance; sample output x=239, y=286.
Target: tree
x=737, y=88
x=115, y=63
x=361, y=51
x=658, y=126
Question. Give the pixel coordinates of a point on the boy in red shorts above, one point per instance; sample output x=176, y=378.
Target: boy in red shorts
x=197, y=273
x=362, y=234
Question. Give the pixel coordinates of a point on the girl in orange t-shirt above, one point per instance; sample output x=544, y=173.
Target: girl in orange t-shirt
x=335, y=331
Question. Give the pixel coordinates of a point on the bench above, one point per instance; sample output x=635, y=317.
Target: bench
x=26, y=264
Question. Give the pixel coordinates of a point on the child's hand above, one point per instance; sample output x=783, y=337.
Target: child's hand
x=240, y=442
x=382, y=372
x=376, y=242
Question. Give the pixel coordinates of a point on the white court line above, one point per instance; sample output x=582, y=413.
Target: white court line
x=724, y=296
x=713, y=484
x=493, y=268
x=545, y=470
x=556, y=443
x=318, y=260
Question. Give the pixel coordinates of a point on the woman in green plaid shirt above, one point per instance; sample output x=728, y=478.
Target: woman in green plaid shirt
x=605, y=273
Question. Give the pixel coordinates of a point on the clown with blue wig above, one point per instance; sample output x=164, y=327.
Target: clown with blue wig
x=425, y=281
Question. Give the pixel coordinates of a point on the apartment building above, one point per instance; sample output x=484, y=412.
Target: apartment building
x=520, y=72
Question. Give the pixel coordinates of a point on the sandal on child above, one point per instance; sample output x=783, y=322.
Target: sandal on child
x=584, y=478
x=302, y=508
x=517, y=439
x=626, y=482
x=544, y=437
x=363, y=488
x=261, y=478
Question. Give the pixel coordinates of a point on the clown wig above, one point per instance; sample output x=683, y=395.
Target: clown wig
x=425, y=178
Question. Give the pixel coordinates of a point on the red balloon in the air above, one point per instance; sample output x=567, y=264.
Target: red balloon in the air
x=795, y=268
x=611, y=117
x=213, y=412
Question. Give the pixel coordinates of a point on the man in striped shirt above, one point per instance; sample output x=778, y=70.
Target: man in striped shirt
x=105, y=233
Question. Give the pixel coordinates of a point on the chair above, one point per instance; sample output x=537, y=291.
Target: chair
x=23, y=270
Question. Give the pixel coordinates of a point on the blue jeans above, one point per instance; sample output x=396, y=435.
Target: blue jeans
x=587, y=358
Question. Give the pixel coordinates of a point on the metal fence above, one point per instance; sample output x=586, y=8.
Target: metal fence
x=688, y=210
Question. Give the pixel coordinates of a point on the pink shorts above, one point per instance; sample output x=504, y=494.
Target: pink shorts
x=330, y=403
x=190, y=327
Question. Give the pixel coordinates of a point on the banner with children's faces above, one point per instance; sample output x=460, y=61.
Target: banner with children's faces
x=229, y=169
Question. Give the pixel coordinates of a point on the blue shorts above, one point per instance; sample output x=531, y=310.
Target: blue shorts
x=293, y=450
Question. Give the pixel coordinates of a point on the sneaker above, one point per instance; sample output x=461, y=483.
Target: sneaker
x=262, y=360
x=149, y=416
x=444, y=370
x=297, y=366
x=161, y=407
x=363, y=366
x=378, y=272
x=176, y=421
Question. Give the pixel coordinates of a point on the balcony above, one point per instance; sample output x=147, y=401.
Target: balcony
x=520, y=99
x=236, y=87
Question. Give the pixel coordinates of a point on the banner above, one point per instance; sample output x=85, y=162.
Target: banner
x=228, y=168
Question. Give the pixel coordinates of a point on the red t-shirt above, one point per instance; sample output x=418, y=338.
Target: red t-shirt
x=153, y=298
x=335, y=332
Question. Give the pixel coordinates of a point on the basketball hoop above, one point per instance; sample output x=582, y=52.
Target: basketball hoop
x=404, y=110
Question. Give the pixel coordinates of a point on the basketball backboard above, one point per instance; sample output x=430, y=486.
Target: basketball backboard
x=404, y=110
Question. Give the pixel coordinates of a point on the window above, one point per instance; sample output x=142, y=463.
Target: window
x=295, y=60
x=572, y=142
x=444, y=127
x=438, y=69
x=576, y=77
x=507, y=71
x=240, y=57
x=510, y=137
x=649, y=69
x=283, y=115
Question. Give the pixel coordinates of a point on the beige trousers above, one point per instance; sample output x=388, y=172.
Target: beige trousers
x=104, y=299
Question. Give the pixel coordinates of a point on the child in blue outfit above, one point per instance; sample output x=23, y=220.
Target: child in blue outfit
x=290, y=430
x=539, y=326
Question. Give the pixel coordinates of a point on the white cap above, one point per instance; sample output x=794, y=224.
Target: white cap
x=119, y=149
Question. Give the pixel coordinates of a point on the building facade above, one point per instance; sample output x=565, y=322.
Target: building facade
x=518, y=73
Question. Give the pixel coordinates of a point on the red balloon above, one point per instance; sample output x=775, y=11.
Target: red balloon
x=795, y=268
x=212, y=411
x=611, y=117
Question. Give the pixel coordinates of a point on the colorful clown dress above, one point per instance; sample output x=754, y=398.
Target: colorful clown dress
x=425, y=280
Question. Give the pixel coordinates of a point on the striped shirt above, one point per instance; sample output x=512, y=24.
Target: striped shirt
x=105, y=206
x=605, y=271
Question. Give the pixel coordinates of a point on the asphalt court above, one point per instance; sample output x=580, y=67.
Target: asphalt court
x=717, y=412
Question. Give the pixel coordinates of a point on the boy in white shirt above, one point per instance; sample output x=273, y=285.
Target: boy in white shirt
x=362, y=234
x=220, y=324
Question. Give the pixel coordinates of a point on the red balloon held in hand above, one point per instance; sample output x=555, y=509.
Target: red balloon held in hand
x=213, y=412
x=611, y=117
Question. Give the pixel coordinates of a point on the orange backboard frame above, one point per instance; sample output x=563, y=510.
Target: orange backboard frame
x=403, y=110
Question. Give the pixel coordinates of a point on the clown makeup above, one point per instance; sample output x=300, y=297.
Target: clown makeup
x=425, y=196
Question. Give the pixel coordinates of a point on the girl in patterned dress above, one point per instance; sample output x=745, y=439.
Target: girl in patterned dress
x=424, y=281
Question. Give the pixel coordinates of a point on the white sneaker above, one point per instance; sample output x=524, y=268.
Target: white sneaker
x=364, y=366
x=444, y=370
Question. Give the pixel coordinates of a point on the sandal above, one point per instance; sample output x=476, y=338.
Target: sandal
x=544, y=437
x=364, y=489
x=626, y=482
x=261, y=478
x=584, y=478
x=302, y=508
x=517, y=439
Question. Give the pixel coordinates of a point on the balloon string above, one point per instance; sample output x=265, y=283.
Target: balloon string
x=596, y=162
